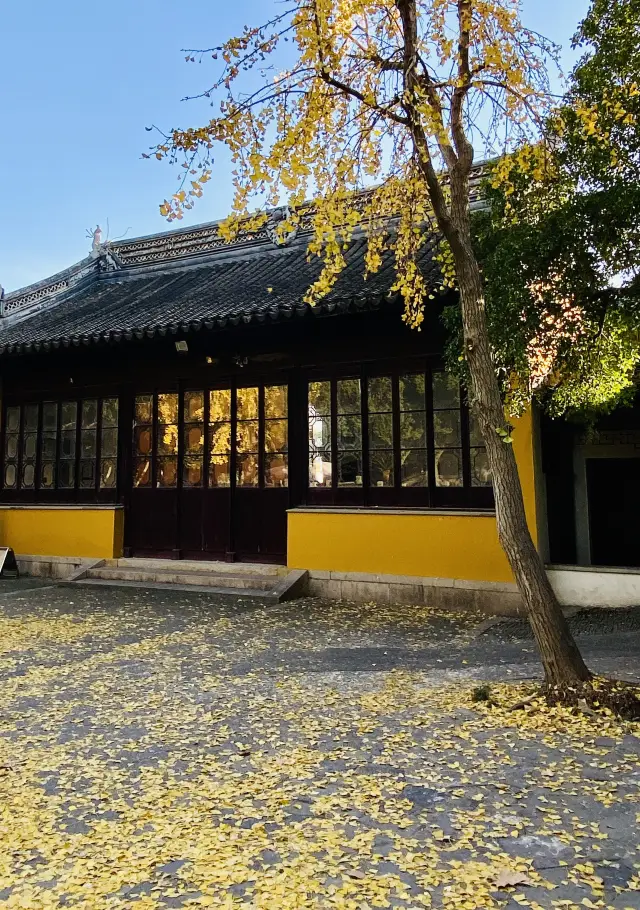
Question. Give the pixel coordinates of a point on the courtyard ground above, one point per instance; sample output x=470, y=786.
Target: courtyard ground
x=174, y=750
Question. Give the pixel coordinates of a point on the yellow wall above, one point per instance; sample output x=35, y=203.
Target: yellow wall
x=413, y=543
x=62, y=531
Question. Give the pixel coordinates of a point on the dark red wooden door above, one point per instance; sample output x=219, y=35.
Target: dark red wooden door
x=210, y=473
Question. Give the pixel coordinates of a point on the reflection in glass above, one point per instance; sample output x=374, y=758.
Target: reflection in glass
x=10, y=476
x=194, y=439
x=413, y=430
x=348, y=396
x=89, y=414
x=167, y=407
x=219, y=471
x=47, y=475
x=480, y=470
x=11, y=446
x=349, y=469
x=30, y=442
x=247, y=436
x=68, y=444
x=28, y=476
x=193, y=407
x=13, y=419
x=446, y=428
x=276, y=470
x=50, y=416
x=319, y=413
x=87, y=474
x=142, y=440
x=350, y=432
x=247, y=404
x=109, y=443
x=413, y=470
x=144, y=409
x=381, y=468
x=108, y=473
x=380, y=394
x=142, y=472
x=275, y=401
x=69, y=414
x=167, y=443
x=220, y=404
x=446, y=391
x=448, y=468
x=380, y=431
x=66, y=473
x=412, y=388
x=110, y=412
x=247, y=471
x=275, y=436
x=167, y=472
x=192, y=472
x=88, y=443
x=31, y=417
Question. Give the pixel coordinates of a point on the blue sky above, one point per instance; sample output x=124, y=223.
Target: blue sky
x=79, y=81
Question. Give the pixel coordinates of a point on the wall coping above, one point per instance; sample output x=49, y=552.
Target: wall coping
x=596, y=570
x=79, y=507
x=465, y=513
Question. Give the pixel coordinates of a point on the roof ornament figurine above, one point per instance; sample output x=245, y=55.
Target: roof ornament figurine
x=96, y=240
x=277, y=217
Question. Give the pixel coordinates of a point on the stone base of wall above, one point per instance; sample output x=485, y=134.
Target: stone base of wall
x=62, y=567
x=441, y=593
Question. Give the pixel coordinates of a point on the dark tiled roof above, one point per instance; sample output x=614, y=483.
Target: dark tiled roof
x=216, y=291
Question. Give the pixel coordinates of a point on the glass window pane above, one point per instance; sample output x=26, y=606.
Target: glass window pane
x=168, y=407
x=247, y=436
x=142, y=440
x=49, y=445
x=193, y=472
x=247, y=471
x=193, y=407
x=247, y=404
x=446, y=391
x=349, y=396
x=88, y=443
x=68, y=415
x=220, y=404
x=413, y=430
x=167, y=472
x=68, y=444
x=475, y=436
x=381, y=469
x=381, y=431
x=31, y=417
x=13, y=419
x=108, y=473
x=110, y=412
x=319, y=470
x=10, y=476
x=144, y=409
x=89, y=414
x=11, y=446
x=275, y=401
x=319, y=398
x=219, y=471
x=167, y=439
x=87, y=474
x=380, y=394
x=276, y=471
x=446, y=428
x=349, y=469
x=28, y=476
x=275, y=435
x=220, y=437
x=194, y=439
x=412, y=397
x=448, y=468
x=47, y=475
x=349, y=432
x=142, y=472
x=109, y=444
x=30, y=443
x=480, y=471
x=49, y=416
x=414, y=468
x=67, y=474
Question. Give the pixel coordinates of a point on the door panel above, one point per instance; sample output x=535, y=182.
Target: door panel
x=210, y=473
x=613, y=486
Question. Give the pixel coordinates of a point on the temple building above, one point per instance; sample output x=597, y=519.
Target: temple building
x=174, y=397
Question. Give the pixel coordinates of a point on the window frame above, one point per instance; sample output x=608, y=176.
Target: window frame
x=393, y=496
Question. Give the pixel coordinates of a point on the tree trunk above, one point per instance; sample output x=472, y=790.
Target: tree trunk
x=561, y=659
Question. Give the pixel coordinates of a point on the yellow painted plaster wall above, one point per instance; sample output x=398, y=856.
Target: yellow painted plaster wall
x=425, y=544
x=62, y=531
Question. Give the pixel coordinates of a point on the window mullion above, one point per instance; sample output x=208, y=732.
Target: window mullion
x=431, y=454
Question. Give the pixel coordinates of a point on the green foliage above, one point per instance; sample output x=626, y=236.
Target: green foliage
x=560, y=239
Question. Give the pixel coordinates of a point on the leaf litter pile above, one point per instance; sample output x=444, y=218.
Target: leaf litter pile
x=144, y=763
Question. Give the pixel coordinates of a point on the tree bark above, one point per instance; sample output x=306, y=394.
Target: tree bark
x=561, y=658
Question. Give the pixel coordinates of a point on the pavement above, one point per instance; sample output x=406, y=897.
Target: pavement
x=164, y=749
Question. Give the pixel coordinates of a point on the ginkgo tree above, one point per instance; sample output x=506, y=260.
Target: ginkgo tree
x=331, y=96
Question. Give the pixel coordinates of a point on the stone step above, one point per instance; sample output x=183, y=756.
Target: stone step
x=200, y=567
x=178, y=575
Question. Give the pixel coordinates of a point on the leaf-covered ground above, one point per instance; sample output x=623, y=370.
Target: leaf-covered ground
x=162, y=750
